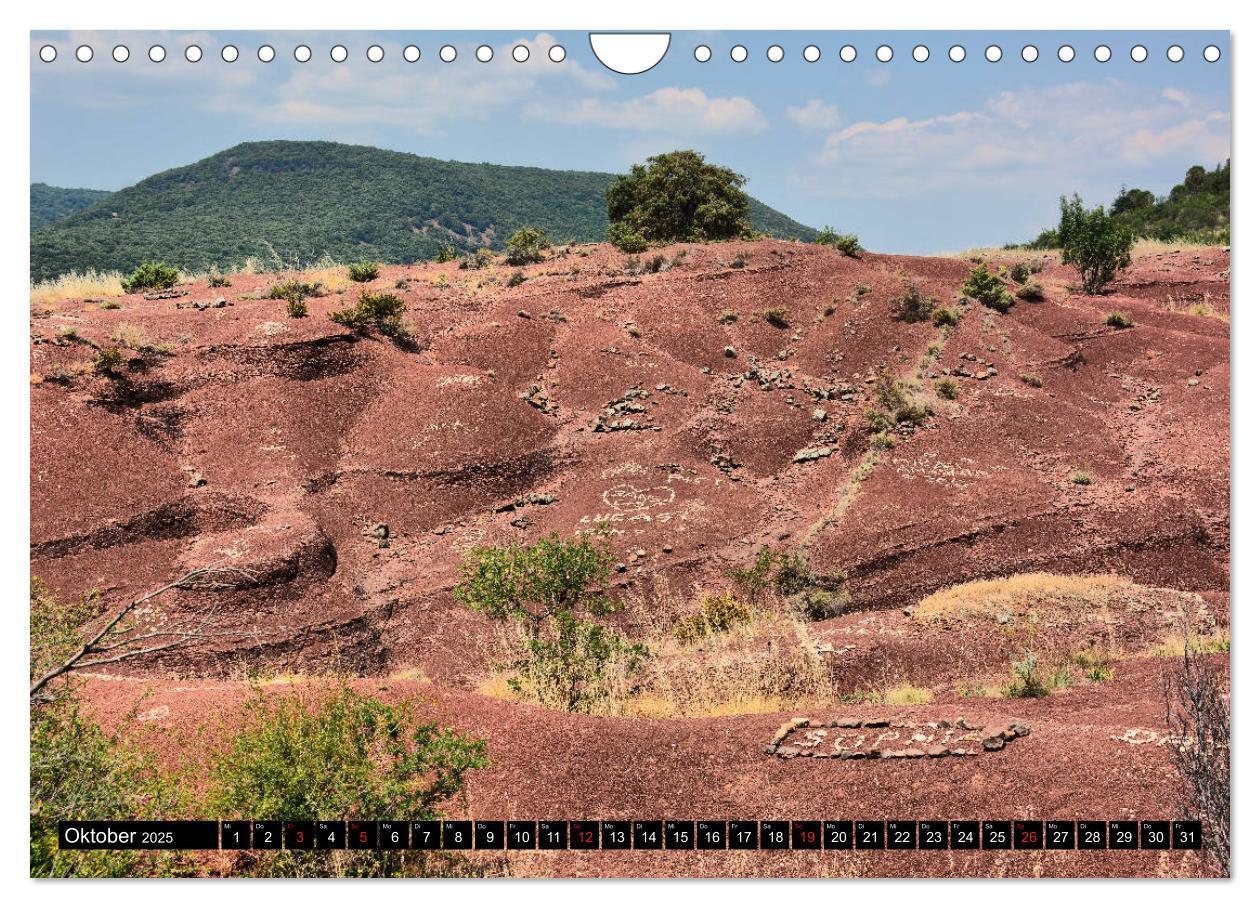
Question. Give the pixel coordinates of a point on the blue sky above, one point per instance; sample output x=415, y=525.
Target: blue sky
x=913, y=157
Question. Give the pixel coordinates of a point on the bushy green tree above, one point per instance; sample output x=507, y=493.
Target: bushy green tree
x=553, y=589
x=151, y=276
x=1095, y=243
x=677, y=197
x=526, y=246
x=338, y=754
x=987, y=289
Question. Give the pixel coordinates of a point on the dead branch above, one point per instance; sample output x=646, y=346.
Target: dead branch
x=116, y=642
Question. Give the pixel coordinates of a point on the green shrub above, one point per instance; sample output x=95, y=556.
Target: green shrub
x=482, y=258
x=718, y=614
x=78, y=772
x=107, y=360
x=1031, y=291
x=677, y=197
x=1080, y=478
x=803, y=593
x=848, y=244
x=295, y=290
x=1095, y=243
x=382, y=311
x=777, y=316
x=883, y=441
x=987, y=289
x=913, y=305
x=446, y=253
x=1020, y=272
x=218, y=280
x=526, y=246
x=1027, y=681
x=362, y=272
x=626, y=238
x=297, y=309
x=895, y=406
x=946, y=318
x=1119, y=320
x=338, y=754
x=947, y=389
x=151, y=276
x=564, y=660
x=845, y=242
x=517, y=278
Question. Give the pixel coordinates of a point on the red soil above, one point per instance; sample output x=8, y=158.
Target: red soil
x=272, y=444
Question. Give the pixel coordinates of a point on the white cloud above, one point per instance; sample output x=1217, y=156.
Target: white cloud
x=688, y=110
x=817, y=114
x=1064, y=132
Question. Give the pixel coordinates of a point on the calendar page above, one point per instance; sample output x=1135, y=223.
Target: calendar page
x=629, y=454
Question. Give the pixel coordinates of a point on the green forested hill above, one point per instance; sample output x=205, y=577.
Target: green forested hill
x=307, y=199
x=50, y=203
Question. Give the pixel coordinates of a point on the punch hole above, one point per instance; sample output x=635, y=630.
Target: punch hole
x=958, y=53
x=774, y=53
x=920, y=53
x=1211, y=53
x=848, y=53
x=192, y=53
x=121, y=53
x=229, y=53
x=557, y=53
x=993, y=53
x=1067, y=53
x=339, y=54
x=375, y=53
x=883, y=53
x=739, y=53
x=485, y=53
x=1030, y=53
x=83, y=53
x=411, y=53
x=811, y=53
x=302, y=53
x=703, y=54
x=48, y=53
x=266, y=53
x=447, y=53
x=1102, y=53
x=157, y=53
x=1176, y=54
x=1138, y=54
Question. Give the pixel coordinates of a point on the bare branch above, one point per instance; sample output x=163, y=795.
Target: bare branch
x=113, y=637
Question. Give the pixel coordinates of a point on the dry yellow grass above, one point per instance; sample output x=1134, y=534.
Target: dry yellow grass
x=335, y=278
x=1150, y=247
x=1021, y=594
x=1175, y=645
x=76, y=285
x=906, y=695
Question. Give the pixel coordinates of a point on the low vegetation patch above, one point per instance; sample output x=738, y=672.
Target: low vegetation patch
x=295, y=290
x=151, y=276
x=988, y=289
x=847, y=243
x=913, y=305
x=526, y=246
x=896, y=405
x=362, y=272
x=778, y=316
x=946, y=318
x=1119, y=320
x=379, y=311
x=77, y=285
x=1032, y=292
x=947, y=389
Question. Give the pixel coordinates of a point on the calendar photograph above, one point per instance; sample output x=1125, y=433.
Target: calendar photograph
x=723, y=454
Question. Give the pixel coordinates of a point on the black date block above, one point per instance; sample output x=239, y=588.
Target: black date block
x=1091, y=835
x=361, y=834
x=1029, y=835
x=775, y=834
x=711, y=835
x=742, y=834
x=553, y=835
x=522, y=835
x=933, y=834
x=1187, y=834
x=1060, y=834
x=457, y=835
x=1122, y=834
x=426, y=835
x=868, y=834
x=838, y=834
x=995, y=834
x=964, y=835
x=391, y=835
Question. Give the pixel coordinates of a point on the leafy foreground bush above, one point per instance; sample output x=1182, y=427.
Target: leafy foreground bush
x=381, y=311
x=151, y=276
x=677, y=197
x=526, y=246
x=338, y=754
x=562, y=659
x=295, y=290
x=1097, y=244
x=987, y=289
x=895, y=405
